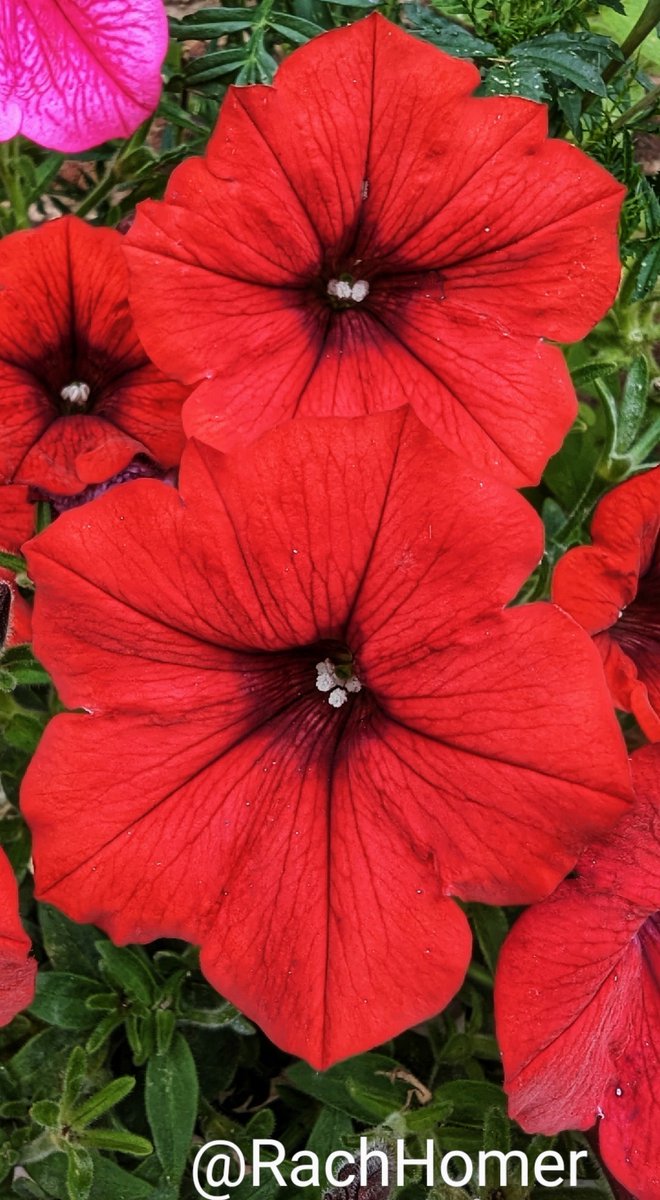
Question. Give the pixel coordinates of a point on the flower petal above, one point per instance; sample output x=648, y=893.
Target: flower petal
x=578, y=1001
x=17, y=971
x=77, y=72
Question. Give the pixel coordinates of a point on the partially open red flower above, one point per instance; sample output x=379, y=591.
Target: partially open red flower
x=79, y=399
x=367, y=230
x=613, y=589
x=16, y=526
x=312, y=722
x=578, y=997
x=76, y=72
x=17, y=971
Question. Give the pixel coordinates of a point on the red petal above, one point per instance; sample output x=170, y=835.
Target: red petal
x=504, y=402
x=577, y=997
x=17, y=516
x=609, y=589
x=17, y=971
x=74, y=452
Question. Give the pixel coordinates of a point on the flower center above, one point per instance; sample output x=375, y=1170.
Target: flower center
x=75, y=394
x=345, y=291
x=338, y=680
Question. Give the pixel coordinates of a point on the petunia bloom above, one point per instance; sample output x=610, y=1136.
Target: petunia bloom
x=17, y=523
x=17, y=970
x=578, y=997
x=612, y=588
x=310, y=722
x=76, y=72
x=367, y=231
x=79, y=399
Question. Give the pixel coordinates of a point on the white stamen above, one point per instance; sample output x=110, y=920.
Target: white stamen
x=76, y=393
x=342, y=290
x=327, y=680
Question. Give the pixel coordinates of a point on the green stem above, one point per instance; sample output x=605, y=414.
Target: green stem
x=10, y=176
x=646, y=101
x=645, y=25
x=97, y=193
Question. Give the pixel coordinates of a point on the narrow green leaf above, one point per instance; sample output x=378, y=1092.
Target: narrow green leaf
x=211, y=23
x=647, y=273
x=74, y=1077
x=119, y=1141
x=93, y=1108
x=491, y=927
x=294, y=29
x=597, y=369
x=215, y=65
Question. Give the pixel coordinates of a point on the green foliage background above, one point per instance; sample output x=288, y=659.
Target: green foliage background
x=128, y=1061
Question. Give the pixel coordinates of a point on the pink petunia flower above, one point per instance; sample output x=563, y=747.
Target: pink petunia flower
x=74, y=73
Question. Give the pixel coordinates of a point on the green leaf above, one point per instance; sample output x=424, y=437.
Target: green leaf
x=491, y=927
x=119, y=1141
x=470, y=1100
x=448, y=35
x=564, y=64
x=93, y=1108
x=632, y=409
x=70, y=947
x=60, y=1000
x=171, y=1101
x=365, y=1088
x=331, y=1131
x=598, y=368
x=74, y=1078
x=129, y=968
x=46, y=1113
x=215, y=65
x=211, y=23
x=647, y=273
x=80, y=1172
x=295, y=29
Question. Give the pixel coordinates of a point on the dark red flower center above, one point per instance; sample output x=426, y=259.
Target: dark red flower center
x=638, y=627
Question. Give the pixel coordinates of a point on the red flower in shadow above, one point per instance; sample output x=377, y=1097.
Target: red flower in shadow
x=612, y=588
x=578, y=997
x=311, y=721
x=16, y=526
x=17, y=971
x=367, y=231
x=79, y=398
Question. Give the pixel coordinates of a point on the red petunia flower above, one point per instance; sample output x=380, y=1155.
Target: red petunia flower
x=578, y=997
x=16, y=526
x=17, y=971
x=76, y=72
x=312, y=722
x=79, y=398
x=612, y=588
x=366, y=231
